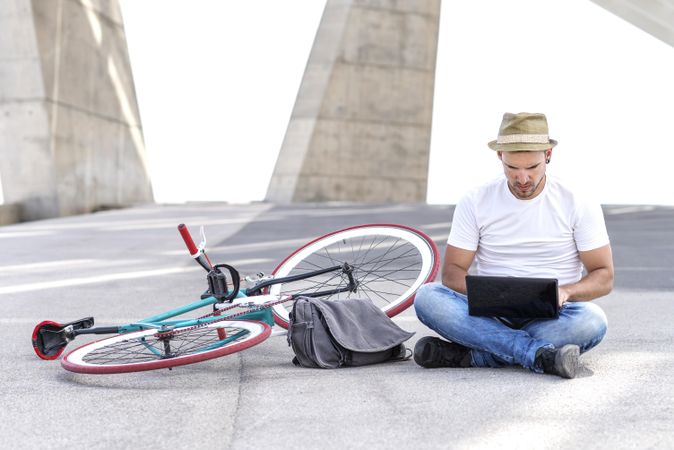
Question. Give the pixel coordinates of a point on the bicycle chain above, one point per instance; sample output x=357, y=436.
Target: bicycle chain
x=170, y=334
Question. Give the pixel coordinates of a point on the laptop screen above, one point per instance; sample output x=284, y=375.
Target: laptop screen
x=512, y=297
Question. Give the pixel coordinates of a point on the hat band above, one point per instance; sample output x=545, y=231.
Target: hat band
x=523, y=139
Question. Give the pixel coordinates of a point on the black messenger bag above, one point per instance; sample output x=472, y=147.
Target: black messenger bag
x=339, y=333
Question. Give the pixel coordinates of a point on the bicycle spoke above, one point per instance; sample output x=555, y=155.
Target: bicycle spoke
x=150, y=348
x=367, y=267
x=388, y=263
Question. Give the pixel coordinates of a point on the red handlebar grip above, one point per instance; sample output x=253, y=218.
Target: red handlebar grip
x=184, y=232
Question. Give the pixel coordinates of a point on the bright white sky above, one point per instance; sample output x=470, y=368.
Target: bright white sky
x=216, y=83
x=605, y=86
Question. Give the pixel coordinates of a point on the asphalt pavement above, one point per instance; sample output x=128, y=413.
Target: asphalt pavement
x=122, y=265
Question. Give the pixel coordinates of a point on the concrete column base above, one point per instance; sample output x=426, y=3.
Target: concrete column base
x=9, y=214
x=71, y=141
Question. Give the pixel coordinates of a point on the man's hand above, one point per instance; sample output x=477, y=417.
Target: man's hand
x=597, y=282
x=562, y=295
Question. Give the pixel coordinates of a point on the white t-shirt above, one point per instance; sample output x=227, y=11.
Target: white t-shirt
x=540, y=237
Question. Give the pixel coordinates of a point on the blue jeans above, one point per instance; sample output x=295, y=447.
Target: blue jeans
x=495, y=344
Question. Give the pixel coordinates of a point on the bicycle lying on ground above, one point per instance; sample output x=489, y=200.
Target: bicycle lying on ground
x=386, y=263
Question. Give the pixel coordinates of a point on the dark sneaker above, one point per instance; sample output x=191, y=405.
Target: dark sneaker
x=432, y=352
x=559, y=361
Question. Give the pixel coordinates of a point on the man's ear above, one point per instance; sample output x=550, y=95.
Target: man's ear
x=499, y=153
x=548, y=155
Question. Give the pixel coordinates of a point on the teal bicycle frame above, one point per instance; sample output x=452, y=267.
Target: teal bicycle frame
x=259, y=313
x=160, y=320
x=50, y=338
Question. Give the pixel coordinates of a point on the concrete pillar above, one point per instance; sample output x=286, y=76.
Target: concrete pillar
x=654, y=17
x=70, y=134
x=360, y=129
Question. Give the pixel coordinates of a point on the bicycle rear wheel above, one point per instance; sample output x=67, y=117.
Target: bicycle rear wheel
x=390, y=262
x=148, y=350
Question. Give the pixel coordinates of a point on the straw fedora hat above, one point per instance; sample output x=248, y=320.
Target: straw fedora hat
x=523, y=132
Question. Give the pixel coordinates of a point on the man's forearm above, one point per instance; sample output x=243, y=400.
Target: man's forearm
x=455, y=279
x=594, y=285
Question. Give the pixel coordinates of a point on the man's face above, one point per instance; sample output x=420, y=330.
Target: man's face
x=525, y=172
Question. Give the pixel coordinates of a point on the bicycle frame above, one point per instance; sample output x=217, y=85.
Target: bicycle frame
x=260, y=313
x=50, y=338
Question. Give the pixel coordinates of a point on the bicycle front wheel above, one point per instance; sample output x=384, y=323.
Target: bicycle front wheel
x=148, y=349
x=389, y=262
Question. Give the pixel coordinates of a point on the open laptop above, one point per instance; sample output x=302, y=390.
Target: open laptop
x=512, y=297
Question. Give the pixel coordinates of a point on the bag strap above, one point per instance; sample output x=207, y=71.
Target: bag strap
x=404, y=355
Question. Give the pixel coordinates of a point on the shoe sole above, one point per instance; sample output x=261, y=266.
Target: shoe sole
x=567, y=361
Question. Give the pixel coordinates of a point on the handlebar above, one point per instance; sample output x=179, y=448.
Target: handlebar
x=197, y=253
x=217, y=281
x=187, y=237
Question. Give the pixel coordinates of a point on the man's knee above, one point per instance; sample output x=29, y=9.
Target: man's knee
x=423, y=293
x=434, y=301
x=591, y=328
x=430, y=295
x=596, y=321
x=423, y=299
